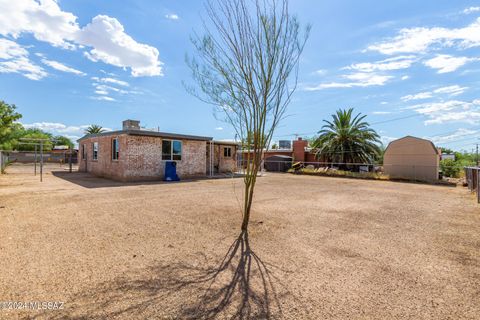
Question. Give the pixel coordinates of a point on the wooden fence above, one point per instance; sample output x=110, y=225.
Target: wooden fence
x=472, y=175
x=3, y=161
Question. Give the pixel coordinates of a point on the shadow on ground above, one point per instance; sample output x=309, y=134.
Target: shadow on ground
x=87, y=180
x=240, y=286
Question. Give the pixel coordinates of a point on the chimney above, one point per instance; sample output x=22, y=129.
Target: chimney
x=131, y=125
x=299, y=149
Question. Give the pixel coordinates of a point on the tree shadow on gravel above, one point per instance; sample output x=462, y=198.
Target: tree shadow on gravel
x=241, y=286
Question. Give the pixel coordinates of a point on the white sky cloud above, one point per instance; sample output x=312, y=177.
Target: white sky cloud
x=104, y=98
x=61, y=67
x=449, y=111
x=113, y=46
x=104, y=37
x=418, y=96
x=44, y=19
x=460, y=133
x=420, y=39
x=111, y=80
x=56, y=127
x=359, y=79
x=453, y=90
x=381, y=112
x=72, y=132
x=387, y=139
x=471, y=10
x=445, y=63
x=10, y=49
x=172, y=16
x=17, y=61
x=396, y=63
x=106, y=88
x=219, y=128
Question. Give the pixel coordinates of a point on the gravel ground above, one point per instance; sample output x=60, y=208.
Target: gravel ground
x=318, y=248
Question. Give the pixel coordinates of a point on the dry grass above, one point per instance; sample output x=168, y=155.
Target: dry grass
x=318, y=248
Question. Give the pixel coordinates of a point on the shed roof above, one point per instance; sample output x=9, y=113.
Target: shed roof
x=148, y=134
x=412, y=137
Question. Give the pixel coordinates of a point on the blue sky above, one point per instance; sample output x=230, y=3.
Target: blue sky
x=412, y=66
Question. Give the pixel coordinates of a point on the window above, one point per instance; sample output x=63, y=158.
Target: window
x=84, y=152
x=227, y=152
x=95, y=151
x=171, y=150
x=115, y=149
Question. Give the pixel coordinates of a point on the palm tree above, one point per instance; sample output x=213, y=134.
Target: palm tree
x=347, y=139
x=93, y=129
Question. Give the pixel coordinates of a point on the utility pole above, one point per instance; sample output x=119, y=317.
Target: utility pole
x=476, y=158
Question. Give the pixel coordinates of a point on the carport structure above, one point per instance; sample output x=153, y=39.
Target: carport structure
x=278, y=163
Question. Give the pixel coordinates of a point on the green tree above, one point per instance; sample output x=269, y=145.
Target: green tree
x=94, y=129
x=62, y=141
x=447, y=150
x=347, y=139
x=26, y=139
x=8, y=116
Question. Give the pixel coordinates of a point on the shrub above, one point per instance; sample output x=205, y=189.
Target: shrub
x=450, y=168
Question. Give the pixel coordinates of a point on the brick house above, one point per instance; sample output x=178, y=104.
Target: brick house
x=133, y=154
x=298, y=151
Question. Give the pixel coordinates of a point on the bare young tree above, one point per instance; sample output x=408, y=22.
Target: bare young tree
x=246, y=64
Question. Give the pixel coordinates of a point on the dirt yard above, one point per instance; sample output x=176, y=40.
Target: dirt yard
x=318, y=248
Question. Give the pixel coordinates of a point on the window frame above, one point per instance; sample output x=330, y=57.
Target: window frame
x=95, y=152
x=229, y=153
x=115, y=149
x=84, y=151
x=171, y=155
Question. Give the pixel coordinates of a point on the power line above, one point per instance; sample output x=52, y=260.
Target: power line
x=372, y=123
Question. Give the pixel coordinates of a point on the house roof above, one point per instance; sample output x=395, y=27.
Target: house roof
x=148, y=134
x=226, y=142
x=412, y=137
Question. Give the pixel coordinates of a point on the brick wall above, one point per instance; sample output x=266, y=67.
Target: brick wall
x=144, y=159
x=140, y=158
x=104, y=166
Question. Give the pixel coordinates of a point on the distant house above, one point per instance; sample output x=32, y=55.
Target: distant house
x=448, y=156
x=412, y=158
x=281, y=159
x=133, y=154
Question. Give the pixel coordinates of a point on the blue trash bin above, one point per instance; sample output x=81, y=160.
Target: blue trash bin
x=171, y=171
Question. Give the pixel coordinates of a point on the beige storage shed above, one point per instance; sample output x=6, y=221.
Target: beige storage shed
x=412, y=158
